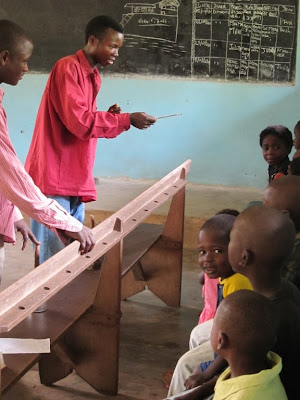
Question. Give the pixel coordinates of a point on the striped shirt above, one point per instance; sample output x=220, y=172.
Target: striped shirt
x=17, y=191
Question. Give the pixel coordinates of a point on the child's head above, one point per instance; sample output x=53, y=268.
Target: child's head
x=213, y=246
x=103, y=37
x=15, y=50
x=284, y=194
x=297, y=136
x=260, y=240
x=276, y=142
x=243, y=327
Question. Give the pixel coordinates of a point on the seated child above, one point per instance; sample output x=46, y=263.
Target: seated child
x=213, y=259
x=260, y=241
x=297, y=140
x=210, y=295
x=253, y=371
x=276, y=142
x=284, y=194
x=210, y=286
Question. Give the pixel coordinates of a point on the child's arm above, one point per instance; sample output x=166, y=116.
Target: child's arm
x=201, y=278
x=201, y=392
x=199, y=377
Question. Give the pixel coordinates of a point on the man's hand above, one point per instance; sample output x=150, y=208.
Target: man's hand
x=85, y=237
x=115, y=109
x=141, y=120
x=23, y=228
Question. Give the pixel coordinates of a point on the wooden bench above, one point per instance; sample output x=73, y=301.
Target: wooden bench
x=83, y=306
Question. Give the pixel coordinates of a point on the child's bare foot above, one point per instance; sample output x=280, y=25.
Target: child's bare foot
x=167, y=377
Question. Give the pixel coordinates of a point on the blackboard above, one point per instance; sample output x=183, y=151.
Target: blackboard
x=241, y=40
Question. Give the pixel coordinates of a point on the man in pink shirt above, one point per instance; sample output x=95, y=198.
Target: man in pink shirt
x=62, y=152
x=17, y=188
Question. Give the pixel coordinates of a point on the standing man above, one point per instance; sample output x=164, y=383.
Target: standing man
x=17, y=190
x=62, y=152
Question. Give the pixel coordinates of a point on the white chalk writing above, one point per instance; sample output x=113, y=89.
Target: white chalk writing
x=238, y=40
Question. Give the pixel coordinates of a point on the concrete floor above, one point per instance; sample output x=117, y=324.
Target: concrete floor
x=153, y=335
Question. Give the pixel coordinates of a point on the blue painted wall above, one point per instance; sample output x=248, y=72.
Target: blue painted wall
x=218, y=130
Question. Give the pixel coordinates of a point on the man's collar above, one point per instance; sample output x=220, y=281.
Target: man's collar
x=88, y=70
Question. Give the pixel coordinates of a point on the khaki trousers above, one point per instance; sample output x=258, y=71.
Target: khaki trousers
x=201, y=352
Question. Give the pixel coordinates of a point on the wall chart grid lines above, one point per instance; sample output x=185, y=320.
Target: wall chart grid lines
x=243, y=41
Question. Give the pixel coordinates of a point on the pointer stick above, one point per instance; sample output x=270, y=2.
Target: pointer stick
x=167, y=116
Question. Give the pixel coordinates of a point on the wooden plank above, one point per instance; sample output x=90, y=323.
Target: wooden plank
x=62, y=310
x=23, y=297
x=137, y=243
x=56, y=365
x=93, y=341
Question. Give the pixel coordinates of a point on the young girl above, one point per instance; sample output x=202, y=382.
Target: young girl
x=213, y=259
x=276, y=142
x=213, y=243
x=210, y=285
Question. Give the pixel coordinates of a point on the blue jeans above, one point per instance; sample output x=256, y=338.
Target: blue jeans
x=50, y=243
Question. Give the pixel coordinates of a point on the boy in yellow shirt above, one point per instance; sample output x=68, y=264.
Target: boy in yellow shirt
x=253, y=371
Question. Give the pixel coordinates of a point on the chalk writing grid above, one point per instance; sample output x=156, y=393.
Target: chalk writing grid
x=243, y=41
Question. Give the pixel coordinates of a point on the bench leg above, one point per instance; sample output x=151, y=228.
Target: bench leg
x=133, y=282
x=93, y=341
x=163, y=266
x=55, y=366
x=163, y=262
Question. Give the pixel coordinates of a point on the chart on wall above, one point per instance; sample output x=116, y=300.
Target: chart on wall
x=237, y=40
x=243, y=40
x=230, y=40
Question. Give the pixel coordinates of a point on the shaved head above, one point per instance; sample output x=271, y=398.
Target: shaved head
x=266, y=233
x=246, y=318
